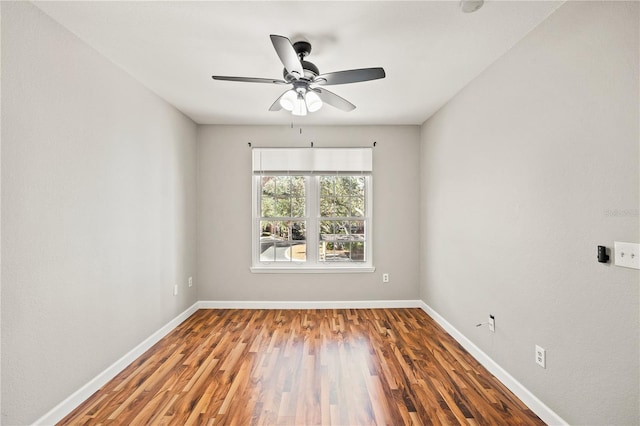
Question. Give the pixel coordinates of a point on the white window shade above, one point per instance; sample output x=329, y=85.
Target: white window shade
x=312, y=160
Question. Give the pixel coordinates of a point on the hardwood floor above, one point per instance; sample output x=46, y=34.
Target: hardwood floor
x=305, y=367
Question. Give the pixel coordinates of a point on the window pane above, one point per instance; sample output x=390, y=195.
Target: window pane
x=297, y=186
x=267, y=242
x=267, y=252
x=326, y=186
x=283, y=196
x=326, y=207
x=341, y=252
x=356, y=228
x=357, y=206
x=268, y=206
x=283, y=241
x=268, y=185
x=297, y=207
x=332, y=252
x=296, y=253
x=342, y=196
x=326, y=229
x=342, y=207
x=298, y=231
x=345, y=184
x=357, y=252
x=280, y=230
x=336, y=252
x=285, y=252
x=283, y=207
x=358, y=186
x=341, y=228
x=342, y=241
x=283, y=185
x=265, y=228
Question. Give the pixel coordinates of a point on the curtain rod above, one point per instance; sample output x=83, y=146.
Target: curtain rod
x=374, y=144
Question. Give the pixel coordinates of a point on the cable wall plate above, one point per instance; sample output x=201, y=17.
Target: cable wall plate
x=627, y=254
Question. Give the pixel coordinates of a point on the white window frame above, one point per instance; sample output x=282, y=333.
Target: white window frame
x=311, y=163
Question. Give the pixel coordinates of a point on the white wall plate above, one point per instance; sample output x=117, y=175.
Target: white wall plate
x=627, y=254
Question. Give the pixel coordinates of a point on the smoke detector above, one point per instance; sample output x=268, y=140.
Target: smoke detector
x=470, y=6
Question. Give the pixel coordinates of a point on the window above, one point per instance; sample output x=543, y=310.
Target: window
x=307, y=218
x=342, y=218
x=283, y=222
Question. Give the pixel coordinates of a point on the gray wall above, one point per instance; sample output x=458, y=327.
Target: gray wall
x=224, y=215
x=524, y=173
x=98, y=213
x=509, y=187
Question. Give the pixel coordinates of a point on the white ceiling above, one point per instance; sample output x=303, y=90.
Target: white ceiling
x=429, y=50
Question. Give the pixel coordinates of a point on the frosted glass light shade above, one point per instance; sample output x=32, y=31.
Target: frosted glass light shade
x=299, y=107
x=313, y=101
x=288, y=100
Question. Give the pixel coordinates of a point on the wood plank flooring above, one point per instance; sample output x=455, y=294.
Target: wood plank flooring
x=305, y=367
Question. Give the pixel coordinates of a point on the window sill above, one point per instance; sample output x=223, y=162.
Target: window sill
x=312, y=270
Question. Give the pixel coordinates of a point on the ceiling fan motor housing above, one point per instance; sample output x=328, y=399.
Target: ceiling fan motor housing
x=310, y=71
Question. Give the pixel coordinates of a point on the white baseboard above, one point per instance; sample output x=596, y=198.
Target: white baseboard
x=69, y=404
x=78, y=397
x=362, y=304
x=537, y=406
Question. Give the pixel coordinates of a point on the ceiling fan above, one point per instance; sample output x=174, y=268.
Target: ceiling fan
x=307, y=92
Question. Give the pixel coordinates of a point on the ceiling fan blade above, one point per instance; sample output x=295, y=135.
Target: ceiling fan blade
x=334, y=100
x=249, y=79
x=287, y=55
x=350, y=76
x=276, y=105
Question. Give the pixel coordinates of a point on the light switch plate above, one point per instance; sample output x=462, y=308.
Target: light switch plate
x=627, y=254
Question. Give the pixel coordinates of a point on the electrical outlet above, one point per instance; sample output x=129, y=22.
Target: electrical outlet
x=492, y=323
x=385, y=278
x=175, y=290
x=541, y=357
x=190, y=281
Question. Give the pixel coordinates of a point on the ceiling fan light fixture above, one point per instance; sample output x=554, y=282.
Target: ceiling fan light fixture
x=313, y=101
x=304, y=96
x=288, y=100
x=299, y=106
